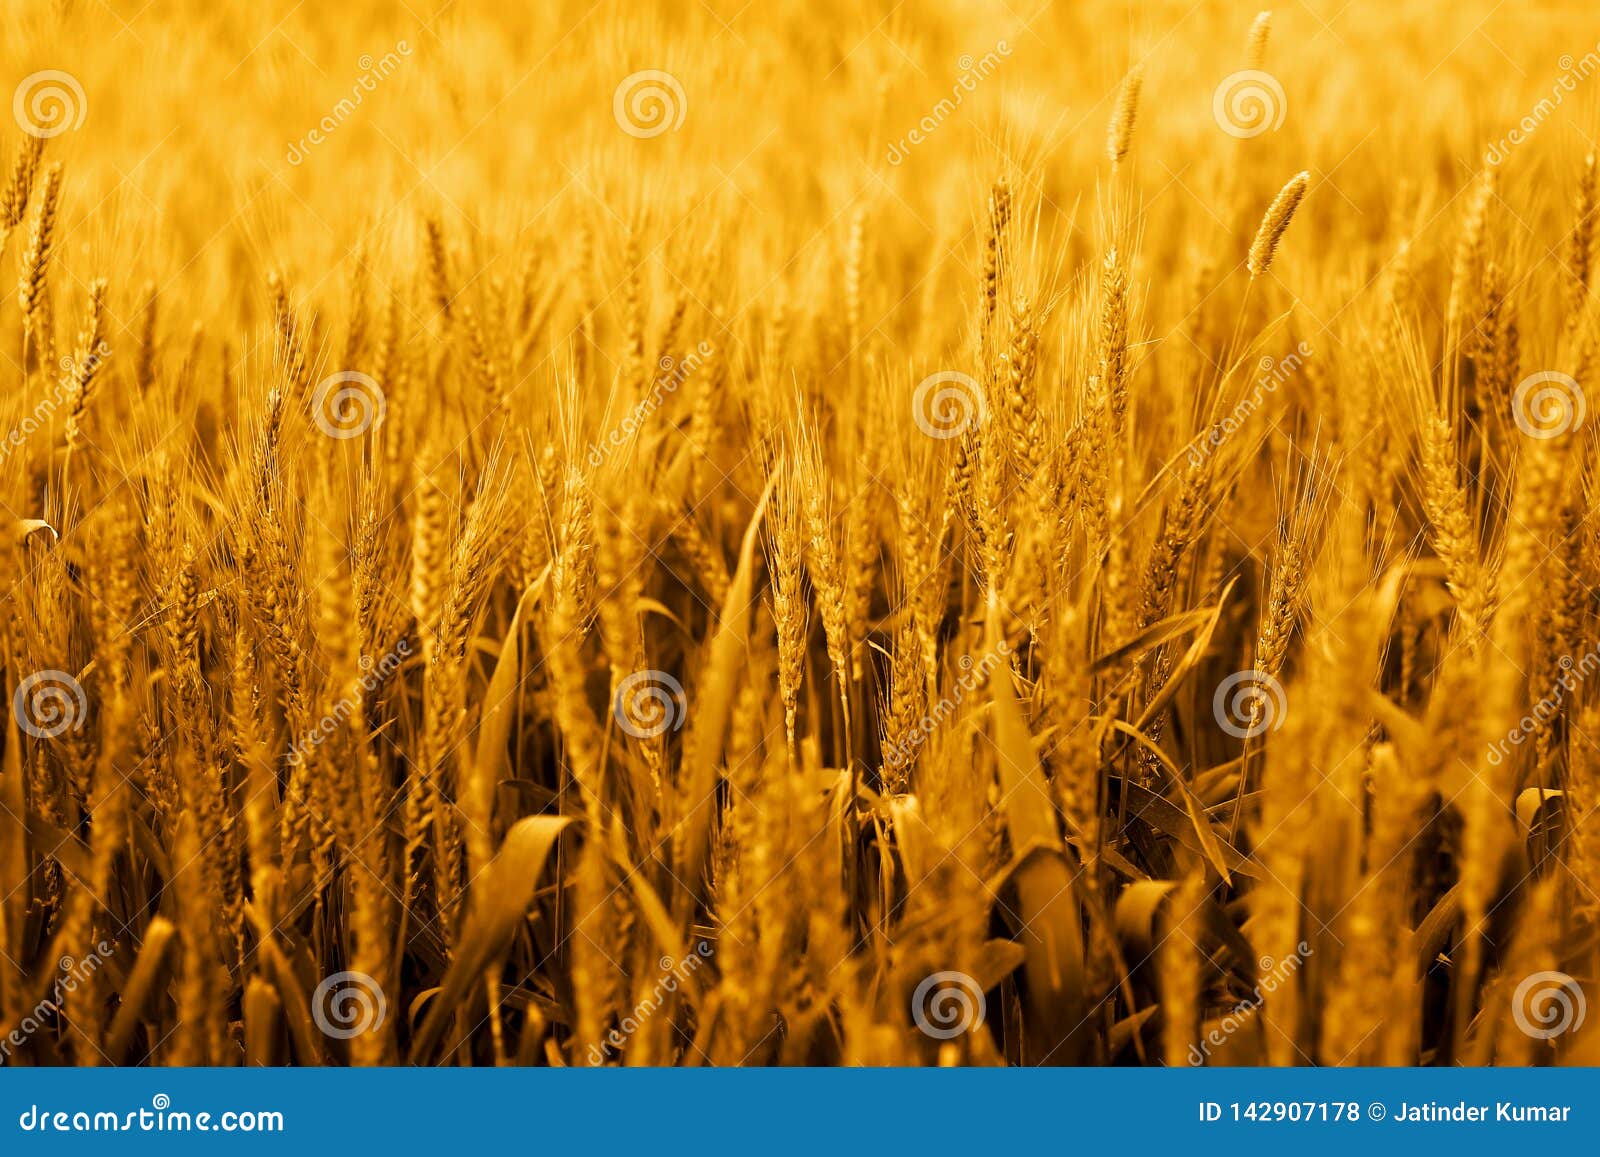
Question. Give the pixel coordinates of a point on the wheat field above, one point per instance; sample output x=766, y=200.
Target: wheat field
x=951, y=532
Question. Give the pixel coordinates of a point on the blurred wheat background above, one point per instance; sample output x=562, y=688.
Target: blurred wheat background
x=951, y=532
